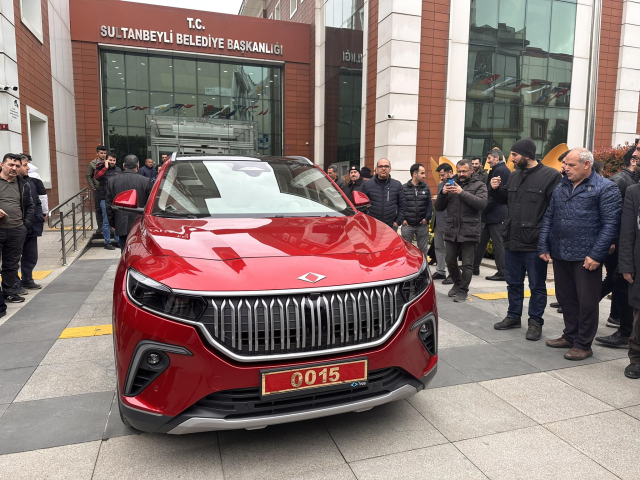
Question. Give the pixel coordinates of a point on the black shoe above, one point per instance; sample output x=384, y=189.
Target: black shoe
x=476, y=271
x=447, y=281
x=21, y=291
x=439, y=276
x=632, y=371
x=496, y=278
x=616, y=340
x=613, y=322
x=460, y=297
x=2, y=314
x=31, y=286
x=508, y=323
x=555, y=305
x=454, y=291
x=560, y=310
x=108, y=246
x=13, y=299
x=535, y=330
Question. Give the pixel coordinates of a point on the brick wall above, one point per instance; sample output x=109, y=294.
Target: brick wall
x=608, y=71
x=433, y=82
x=372, y=76
x=34, y=77
x=298, y=127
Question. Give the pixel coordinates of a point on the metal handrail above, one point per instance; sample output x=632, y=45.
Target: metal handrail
x=57, y=216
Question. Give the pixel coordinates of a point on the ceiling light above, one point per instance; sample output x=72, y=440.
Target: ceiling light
x=142, y=64
x=199, y=69
x=113, y=61
x=275, y=75
x=117, y=68
x=225, y=71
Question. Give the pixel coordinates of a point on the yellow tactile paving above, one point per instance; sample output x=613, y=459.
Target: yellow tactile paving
x=505, y=295
x=41, y=275
x=93, y=331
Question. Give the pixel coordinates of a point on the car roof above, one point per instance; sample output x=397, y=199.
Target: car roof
x=246, y=158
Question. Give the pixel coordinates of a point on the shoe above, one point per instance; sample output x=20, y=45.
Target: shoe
x=613, y=322
x=22, y=291
x=615, y=340
x=507, y=323
x=496, y=278
x=439, y=276
x=559, y=343
x=31, y=286
x=461, y=297
x=476, y=271
x=432, y=261
x=578, y=354
x=632, y=371
x=2, y=314
x=13, y=299
x=535, y=330
x=447, y=281
x=560, y=310
x=555, y=305
x=108, y=246
x=454, y=291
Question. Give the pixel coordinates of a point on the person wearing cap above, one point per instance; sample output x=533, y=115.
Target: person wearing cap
x=578, y=229
x=419, y=208
x=527, y=194
x=355, y=182
x=365, y=173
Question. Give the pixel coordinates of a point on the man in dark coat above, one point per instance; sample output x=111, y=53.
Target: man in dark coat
x=445, y=172
x=129, y=180
x=492, y=217
x=464, y=202
x=419, y=208
x=332, y=171
x=355, y=182
x=148, y=170
x=526, y=194
x=579, y=227
x=478, y=169
x=104, y=172
x=387, y=198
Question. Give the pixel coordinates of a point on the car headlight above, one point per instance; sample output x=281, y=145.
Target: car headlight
x=159, y=298
x=412, y=289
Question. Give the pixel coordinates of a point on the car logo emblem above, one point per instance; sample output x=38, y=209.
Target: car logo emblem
x=311, y=277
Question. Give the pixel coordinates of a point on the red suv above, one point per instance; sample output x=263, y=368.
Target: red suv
x=251, y=292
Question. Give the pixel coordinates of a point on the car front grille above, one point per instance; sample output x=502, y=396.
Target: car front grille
x=312, y=322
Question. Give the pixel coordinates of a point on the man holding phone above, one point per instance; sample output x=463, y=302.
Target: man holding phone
x=463, y=201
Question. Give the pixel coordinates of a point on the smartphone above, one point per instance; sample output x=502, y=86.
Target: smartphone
x=450, y=182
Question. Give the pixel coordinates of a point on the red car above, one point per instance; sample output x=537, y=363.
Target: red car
x=251, y=292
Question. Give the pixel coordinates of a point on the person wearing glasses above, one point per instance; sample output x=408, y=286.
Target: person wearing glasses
x=388, y=203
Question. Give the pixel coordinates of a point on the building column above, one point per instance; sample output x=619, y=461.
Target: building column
x=625, y=117
x=398, y=81
x=10, y=139
x=319, y=82
x=365, y=63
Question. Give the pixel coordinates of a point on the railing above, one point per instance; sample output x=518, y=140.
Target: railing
x=59, y=216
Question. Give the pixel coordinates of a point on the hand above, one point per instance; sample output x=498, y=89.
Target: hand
x=628, y=277
x=423, y=222
x=612, y=249
x=495, y=182
x=434, y=198
x=395, y=224
x=2, y=214
x=453, y=189
x=590, y=264
x=546, y=257
x=405, y=223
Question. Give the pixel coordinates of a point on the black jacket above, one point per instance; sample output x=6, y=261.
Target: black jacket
x=387, y=200
x=463, y=210
x=419, y=206
x=496, y=212
x=351, y=187
x=104, y=179
x=129, y=180
x=150, y=173
x=624, y=179
x=37, y=226
x=26, y=202
x=527, y=194
x=629, y=257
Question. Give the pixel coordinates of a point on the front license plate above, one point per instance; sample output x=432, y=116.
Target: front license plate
x=279, y=381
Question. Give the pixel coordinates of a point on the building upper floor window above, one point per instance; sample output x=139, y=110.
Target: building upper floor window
x=293, y=7
x=31, y=16
x=276, y=12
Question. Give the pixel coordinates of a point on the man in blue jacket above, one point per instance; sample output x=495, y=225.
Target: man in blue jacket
x=579, y=227
x=388, y=202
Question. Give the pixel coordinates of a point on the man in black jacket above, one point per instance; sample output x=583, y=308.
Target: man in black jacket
x=492, y=217
x=387, y=198
x=148, y=170
x=478, y=169
x=129, y=180
x=104, y=172
x=464, y=202
x=619, y=288
x=527, y=195
x=355, y=182
x=16, y=217
x=419, y=208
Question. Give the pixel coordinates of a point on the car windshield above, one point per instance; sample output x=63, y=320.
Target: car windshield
x=246, y=188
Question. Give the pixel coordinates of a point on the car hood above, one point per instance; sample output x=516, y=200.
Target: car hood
x=245, y=238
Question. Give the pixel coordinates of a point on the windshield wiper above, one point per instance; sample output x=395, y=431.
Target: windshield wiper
x=173, y=215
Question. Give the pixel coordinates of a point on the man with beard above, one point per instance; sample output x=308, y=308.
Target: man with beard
x=527, y=194
x=355, y=182
x=479, y=170
x=332, y=171
x=104, y=172
x=419, y=209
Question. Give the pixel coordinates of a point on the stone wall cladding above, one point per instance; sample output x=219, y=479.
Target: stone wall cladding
x=372, y=77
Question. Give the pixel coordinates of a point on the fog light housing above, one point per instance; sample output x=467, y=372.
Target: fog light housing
x=427, y=332
x=153, y=359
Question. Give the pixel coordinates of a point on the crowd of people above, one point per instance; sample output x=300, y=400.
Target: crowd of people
x=534, y=216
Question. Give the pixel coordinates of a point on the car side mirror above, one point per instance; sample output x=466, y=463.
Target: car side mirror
x=127, y=202
x=361, y=201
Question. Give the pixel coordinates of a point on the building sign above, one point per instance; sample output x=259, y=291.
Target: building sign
x=196, y=39
x=14, y=115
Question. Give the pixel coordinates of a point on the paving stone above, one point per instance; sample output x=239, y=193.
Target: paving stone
x=3, y=408
x=447, y=375
x=84, y=321
x=604, y=381
x=278, y=451
x=17, y=331
x=545, y=398
x=11, y=382
x=633, y=411
x=391, y=428
x=608, y=353
x=334, y=472
x=42, y=313
x=160, y=457
x=23, y=354
x=467, y=411
x=97, y=350
x=612, y=439
x=442, y=462
x=451, y=336
x=485, y=362
x=531, y=453
x=54, y=422
x=115, y=427
x=64, y=379
x=46, y=299
x=69, y=462
x=101, y=309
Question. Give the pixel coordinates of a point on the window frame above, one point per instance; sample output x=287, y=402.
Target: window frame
x=292, y=12
x=37, y=32
x=277, y=12
x=545, y=128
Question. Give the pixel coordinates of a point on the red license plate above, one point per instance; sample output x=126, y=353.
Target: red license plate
x=313, y=376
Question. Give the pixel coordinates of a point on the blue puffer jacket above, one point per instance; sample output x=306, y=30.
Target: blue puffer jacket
x=581, y=222
x=388, y=203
